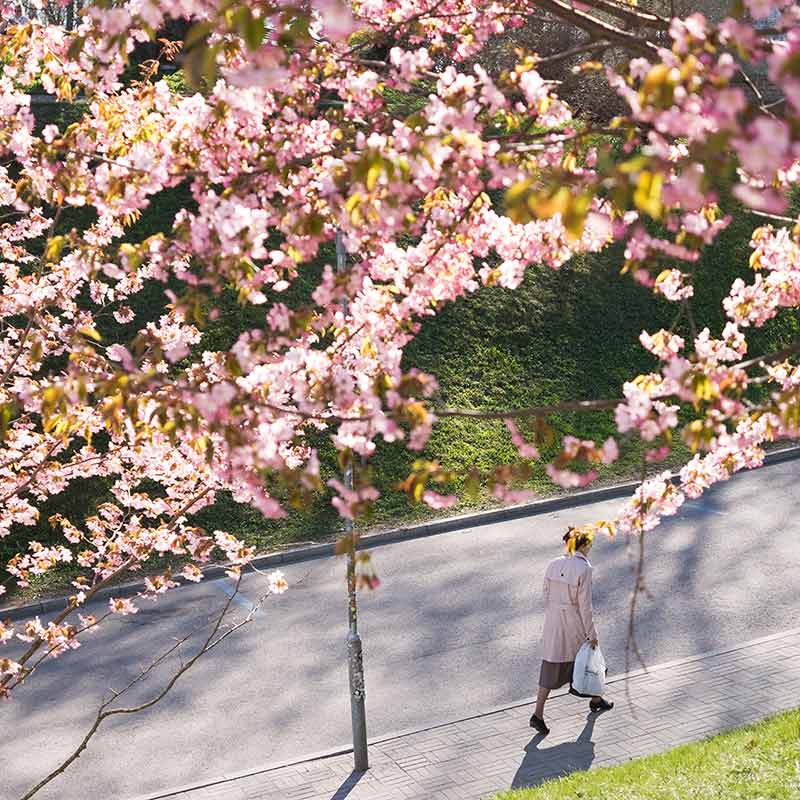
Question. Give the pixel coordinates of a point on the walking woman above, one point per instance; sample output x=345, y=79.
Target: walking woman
x=568, y=621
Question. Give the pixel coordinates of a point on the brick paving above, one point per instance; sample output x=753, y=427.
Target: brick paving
x=474, y=758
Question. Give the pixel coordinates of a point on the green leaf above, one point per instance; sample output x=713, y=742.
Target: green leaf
x=545, y=205
x=574, y=216
x=54, y=247
x=88, y=330
x=200, y=59
x=200, y=66
x=295, y=30
x=647, y=197
x=7, y=413
x=196, y=35
x=373, y=175
x=254, y=32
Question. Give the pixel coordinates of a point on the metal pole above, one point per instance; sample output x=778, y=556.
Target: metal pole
x=355, y=661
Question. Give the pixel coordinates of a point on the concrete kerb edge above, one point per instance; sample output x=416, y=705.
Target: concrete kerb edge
x=368, y=541
x=345, y=749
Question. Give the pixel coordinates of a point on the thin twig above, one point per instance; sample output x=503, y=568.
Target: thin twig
x=777, y=217
x=770, y=358
x=31, y=476
x=588, y=47
x=690, y=318
x=38, y=641
x=759, y=96
x=28, y=671
x=127, y=564
x=104, y=712
x=638, y=586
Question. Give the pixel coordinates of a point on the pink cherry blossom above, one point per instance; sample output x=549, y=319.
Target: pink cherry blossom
x=657, y=497
x=292, y=141
x=277, y=582
x=568, y=479
x=122, y=606
x=437, y=501
x=525, y=449
x=672, y=285
x=662, y=344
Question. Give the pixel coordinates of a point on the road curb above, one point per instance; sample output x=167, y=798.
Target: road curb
x=344, y=749
x=371, y=540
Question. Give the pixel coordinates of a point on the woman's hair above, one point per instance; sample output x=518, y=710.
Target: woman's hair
x=575, y=538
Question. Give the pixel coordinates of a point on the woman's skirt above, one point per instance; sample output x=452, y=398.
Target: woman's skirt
x=555, y=674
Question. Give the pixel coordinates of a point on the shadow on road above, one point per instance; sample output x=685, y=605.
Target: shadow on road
x=561, y=759
x=349, y=784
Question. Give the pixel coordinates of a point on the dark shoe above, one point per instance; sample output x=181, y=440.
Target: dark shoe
x=539, y=725
x=577, y=693
x=603, y=705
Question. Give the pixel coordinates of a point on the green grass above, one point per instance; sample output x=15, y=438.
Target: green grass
x=757, y=762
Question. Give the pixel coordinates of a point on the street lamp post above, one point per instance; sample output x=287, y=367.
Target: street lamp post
x=355, y=660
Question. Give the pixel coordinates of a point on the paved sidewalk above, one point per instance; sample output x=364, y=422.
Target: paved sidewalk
x=473, y=758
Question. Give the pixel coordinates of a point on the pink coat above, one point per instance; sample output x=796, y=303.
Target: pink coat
x=568, y=621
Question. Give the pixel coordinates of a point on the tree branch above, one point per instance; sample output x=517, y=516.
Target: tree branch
x=757, y=92
x=630, y=13
x=631, y=644
x=32, y=476
x=770, y=358
x=38, y=641
x=23, y=676
x=104, y=712
x=588, y=47
x=777, y=217
x=597, y=27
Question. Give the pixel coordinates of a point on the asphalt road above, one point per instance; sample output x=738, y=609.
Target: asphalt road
x=453, y=630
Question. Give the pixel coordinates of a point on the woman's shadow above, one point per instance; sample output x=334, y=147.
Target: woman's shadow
x=561, y=759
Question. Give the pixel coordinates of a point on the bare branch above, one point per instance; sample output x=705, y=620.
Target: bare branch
x=776, y=217
x=105, y=711
x=37, y=643
x=638, y=587
x=771, y=358
x=30, y=670
x=631, y=14
x=687, y=308
x=536, y=411
x=587, y=47
x=631, y=643
x=597, y=27
x=757, y=92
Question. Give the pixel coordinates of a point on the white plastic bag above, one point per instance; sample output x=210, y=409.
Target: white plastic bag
x=589, y=672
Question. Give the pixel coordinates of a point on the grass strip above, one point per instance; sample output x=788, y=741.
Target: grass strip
x=756, y=762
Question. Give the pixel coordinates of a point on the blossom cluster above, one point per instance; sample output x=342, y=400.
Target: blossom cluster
x=288, y=141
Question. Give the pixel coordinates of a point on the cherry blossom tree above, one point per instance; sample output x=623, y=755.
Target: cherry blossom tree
x=287, y=138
